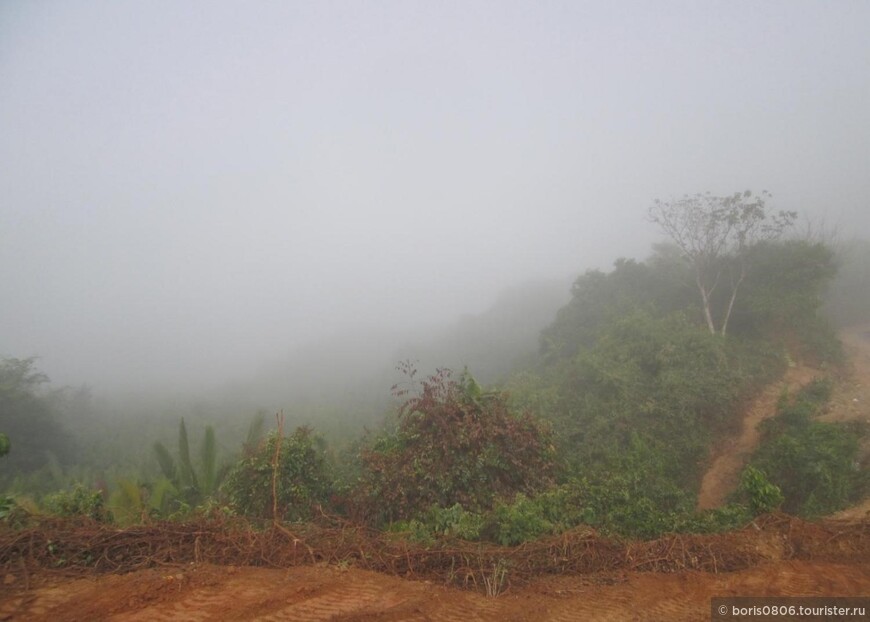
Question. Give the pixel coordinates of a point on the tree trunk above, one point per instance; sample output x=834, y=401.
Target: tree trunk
x=734, y=289
x=705, y=299
x=705, y=302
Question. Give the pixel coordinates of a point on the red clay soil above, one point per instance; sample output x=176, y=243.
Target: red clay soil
x=203, y=592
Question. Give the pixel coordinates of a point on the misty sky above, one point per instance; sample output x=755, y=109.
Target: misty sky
x=188, y=189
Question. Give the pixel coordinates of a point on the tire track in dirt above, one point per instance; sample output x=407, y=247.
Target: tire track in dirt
x=41, y=602
x=363, y=595
x=208, y=603
x=337, y=601
x=274, y=596
x=686, y=596
x=320, y=593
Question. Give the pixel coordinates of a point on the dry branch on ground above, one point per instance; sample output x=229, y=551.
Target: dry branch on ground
x=77, y=548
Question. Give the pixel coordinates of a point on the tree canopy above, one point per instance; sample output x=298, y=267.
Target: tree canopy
x=28, y=418
x=715, y=235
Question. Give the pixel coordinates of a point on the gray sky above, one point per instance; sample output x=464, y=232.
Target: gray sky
x=190, y=188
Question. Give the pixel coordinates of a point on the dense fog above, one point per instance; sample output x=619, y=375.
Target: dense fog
x=272, y=200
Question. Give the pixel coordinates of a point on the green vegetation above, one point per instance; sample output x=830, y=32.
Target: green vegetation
x=132, y=502
x=28, y=419
x=762, y=495
x=783, y=300
x=454, y=444
x=717, y=236
x=610, y=426
x=848, y=301
x=297, y=467
x=79, y=501
x=814, y=464
x=637, y=386
x=182, y=475
x=650, y=395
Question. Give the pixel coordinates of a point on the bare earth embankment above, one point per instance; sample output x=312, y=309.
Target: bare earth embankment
x=330, y=593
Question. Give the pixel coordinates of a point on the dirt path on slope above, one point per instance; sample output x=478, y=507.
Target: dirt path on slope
x=324, y=593
x=729, y=459
x=851, y=398
x=850, y=401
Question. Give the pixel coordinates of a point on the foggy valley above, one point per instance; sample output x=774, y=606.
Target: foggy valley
x=434, y=274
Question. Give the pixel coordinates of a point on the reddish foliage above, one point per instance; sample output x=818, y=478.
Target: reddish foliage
x=455, y=444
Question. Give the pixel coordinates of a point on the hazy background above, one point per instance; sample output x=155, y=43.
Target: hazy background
x=192, y=192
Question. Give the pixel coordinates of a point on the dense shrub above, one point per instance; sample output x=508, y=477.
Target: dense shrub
x=762, y=495
x=783, y=296
x=453, y=444
x=649, y=397
x=522, y=520
x=814, y=464
x=303, y=479
x=637, y=389
x=79, y=501
x=658, y=286
x=452, y=522
x=616, y=507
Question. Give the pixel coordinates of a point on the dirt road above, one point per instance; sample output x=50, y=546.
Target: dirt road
x=329, y=593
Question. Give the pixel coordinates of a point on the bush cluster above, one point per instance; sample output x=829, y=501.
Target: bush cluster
x=453, y=444
x=815, y=464
x=303, y=480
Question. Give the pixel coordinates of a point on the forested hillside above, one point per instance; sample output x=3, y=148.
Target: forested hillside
x=611, y=423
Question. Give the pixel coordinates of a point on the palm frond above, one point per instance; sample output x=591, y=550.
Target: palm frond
x=188, y=476
x=167, y=464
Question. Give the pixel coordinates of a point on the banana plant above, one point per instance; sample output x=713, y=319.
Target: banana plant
x=194, y=487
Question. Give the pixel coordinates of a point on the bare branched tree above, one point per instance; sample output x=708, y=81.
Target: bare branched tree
x=715, y=235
